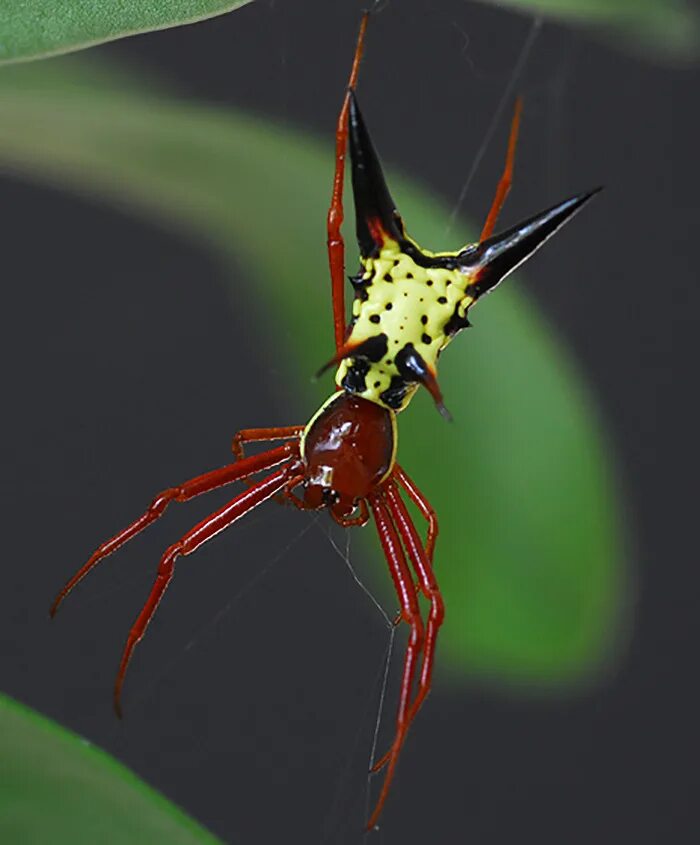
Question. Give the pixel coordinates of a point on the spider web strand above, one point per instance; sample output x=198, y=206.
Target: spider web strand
x=520, y=63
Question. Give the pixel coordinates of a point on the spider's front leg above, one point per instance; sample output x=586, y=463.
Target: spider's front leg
x=262, y=435
x=265, y=435
x=208, y=528
x=182, y=493
x=334, y=221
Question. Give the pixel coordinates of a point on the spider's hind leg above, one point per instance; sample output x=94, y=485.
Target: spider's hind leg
x=421, y=502
x=506, y=180
x=334, y=220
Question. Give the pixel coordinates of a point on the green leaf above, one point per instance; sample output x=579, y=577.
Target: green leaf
x=665, y=28
x=56, y=787
x=529, y=555
x=40, y=28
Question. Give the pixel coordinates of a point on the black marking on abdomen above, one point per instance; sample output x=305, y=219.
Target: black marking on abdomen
x=395, y=394
x=456, y=323
x=360, y=285
x=355, y=380
x=410, y=364
x=373, y=349
x=475, y=289
x=448, y=262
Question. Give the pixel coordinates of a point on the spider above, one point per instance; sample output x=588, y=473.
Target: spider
x=409, y=304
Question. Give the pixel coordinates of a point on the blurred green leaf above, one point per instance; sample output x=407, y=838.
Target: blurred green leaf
x=34, y=30
x=56, y=787
x=529, y=555
x=39, y=28
x=665, y=28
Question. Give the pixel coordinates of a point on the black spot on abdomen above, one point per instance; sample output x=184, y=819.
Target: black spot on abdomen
x=355, y=380
x=456, y=323
x=395, y=394
x=360, y=285
x=373, y=349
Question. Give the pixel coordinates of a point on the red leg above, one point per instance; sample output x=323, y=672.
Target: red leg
x=507, y=176
x=190, y=542
x=336, y=245
x=194, y=487
x=351, y=521
x=429, y=586
x=410, y=612
x=260, y=435
x=290, y=496
x=423, y=506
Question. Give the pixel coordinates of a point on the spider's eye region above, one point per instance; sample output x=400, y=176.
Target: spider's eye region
x=330, y=497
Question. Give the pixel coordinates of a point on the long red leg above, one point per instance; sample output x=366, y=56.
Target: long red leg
x=190, y=542
x=423, y=505
x=261, y=435
x=290, y=496
x=506, y=177
x=194, y=487
x=410, y=612
x=428, y=583
x=336, y=245
x=426, y=580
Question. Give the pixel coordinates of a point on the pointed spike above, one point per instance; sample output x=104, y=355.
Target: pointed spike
x=373, y=349
x=412, y=366
x=444, y=412
x=344, y=352
x=494, y=259
x=375, y=210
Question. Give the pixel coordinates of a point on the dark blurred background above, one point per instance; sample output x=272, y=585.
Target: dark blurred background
x=253, y=700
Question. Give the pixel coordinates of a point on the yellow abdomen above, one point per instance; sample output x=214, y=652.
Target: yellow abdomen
x=401, y=307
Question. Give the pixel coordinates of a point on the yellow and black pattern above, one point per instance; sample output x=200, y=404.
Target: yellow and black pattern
x=410, y=302
x=408, y=305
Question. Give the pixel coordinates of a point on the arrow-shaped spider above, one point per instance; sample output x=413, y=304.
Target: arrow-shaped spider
x=409, y=304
